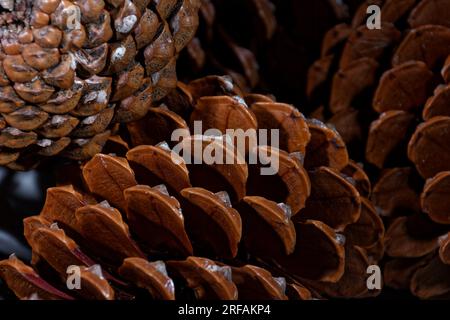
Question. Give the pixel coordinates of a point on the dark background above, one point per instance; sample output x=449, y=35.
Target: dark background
x=284, y=62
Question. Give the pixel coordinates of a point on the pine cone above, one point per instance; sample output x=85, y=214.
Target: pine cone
x=70, y=70
x=401, y=70
x=212, y=231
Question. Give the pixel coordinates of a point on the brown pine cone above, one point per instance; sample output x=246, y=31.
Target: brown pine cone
x=212, y=231
x=401, y=70
x=70, y=70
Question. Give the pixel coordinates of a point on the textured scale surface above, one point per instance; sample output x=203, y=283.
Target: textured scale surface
x=70, y=71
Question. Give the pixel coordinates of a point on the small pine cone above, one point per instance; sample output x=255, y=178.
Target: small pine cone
x=70, y=70
x=401, y=70
x=212, y=230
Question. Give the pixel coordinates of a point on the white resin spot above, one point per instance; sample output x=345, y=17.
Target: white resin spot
x=340, y=238
x=105, y=204
x=58, y=120
x=81, y=142
x=7, y=4
x=97, y=270
x=44, y=143
x=13, y=131
x=281, y=282
x=102, y=96
x=225, y=198
x=286, y=210
x=29, y=113
x=73, y=61
x=90, y=120
x=164, y=145
x=299, y=156
x=443, y=239
x=240, y=100
x=228, y=81
x=34, y=296
x=54, y=226
x=126, y=25
x=350, y=180
x=161, y=267
x=162, y=188
x=118, y=54
x=224, y=271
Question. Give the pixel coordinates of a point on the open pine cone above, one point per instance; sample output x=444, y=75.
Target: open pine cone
x=212, y=231
x=402, y=72
x=70, y=70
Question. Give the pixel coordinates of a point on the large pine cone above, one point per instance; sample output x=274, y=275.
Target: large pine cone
x=212, y=231
x=69, y=70
x=402, y=72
